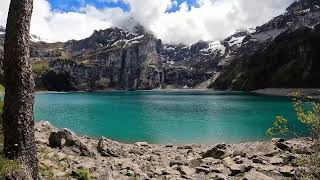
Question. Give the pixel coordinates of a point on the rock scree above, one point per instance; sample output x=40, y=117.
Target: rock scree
x=62, y=152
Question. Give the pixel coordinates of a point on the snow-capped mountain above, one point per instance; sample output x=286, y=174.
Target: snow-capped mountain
x=2, y=30
x=116, y=58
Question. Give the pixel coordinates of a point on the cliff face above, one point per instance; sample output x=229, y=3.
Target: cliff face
x=117, y=59
x=113, y=59
x=283, y=53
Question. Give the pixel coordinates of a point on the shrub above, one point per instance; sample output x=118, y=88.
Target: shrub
x=40, y=67
x=8, y=167
x=81, y=174
x=308, y=112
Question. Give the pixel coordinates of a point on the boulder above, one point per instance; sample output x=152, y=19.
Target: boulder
x=210, y=161
x=176, y=162
x=255, y=175
x=141, y=144
x=236, y=168
x=66, y=137
x=217, y=152
x=283, y=146
x=184, y=147
x=287, y=171
x=276, y=161
x=202, y=169
x=239, y=153
x=109, y=148
x=258, y=160
x=185, y=170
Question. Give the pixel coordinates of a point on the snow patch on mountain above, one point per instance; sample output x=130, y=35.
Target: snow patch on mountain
x=236, y=41
x=215, y=46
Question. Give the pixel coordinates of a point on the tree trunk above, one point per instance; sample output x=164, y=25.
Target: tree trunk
x=19, y=140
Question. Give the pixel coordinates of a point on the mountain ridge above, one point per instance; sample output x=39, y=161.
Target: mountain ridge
x=118, y=59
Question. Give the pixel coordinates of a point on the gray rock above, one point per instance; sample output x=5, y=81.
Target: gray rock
x=283, y=146
x=258, y=160
x=143, y=144
x=287, y=171
x=276, y=140
x=177, y=162
x=185, y=170
x=184, y=147
x=219, y=177
x=276, y=161
x=239, y=153
x=236, y=168
x=168, y=146
x=255, y=175
x=217, y=152
x=202, y=169
x=210, y=161
x=109, y=148
x=66, y=137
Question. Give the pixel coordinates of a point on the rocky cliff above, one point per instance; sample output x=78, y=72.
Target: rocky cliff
x=283, y=53
x=117, y=59
x=111, y=58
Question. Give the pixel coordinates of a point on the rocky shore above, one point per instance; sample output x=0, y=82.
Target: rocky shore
x=312, y=93
x=61, y=152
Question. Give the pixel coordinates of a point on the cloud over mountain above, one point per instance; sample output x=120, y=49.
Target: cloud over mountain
x=187, y=23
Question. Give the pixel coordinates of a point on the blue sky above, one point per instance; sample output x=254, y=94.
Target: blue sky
x=75, y=5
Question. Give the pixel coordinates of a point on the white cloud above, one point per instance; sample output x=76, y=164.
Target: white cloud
x=210, y=20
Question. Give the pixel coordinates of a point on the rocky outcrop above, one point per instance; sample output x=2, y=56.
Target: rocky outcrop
x=282, y=53
x=112, y=58
x=276, y=159
x=117, y=59
x=290, y=61
x=66, y=138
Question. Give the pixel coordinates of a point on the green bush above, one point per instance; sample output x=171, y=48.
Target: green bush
x=308, y=113
x=81, y=174
x=1, y=88
x=8, y=167
x=40, y=67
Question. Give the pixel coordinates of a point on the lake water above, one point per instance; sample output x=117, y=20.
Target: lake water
x=166, y=116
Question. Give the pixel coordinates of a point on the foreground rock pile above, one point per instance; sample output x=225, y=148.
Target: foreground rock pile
x=61, y=153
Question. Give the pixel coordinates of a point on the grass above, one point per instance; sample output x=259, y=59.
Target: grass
x=1, y=88
x=40, y=67
x=46, y=173
x=7, y=167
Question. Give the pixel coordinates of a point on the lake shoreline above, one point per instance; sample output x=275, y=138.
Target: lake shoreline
x=288, y=92
x=284, y=92
x=62, y=152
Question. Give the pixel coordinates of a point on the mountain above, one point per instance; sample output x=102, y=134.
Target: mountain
x=111, y=58
x=2, y=33
x=281, y=53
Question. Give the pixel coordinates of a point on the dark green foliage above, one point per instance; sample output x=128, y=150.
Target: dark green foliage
x=81, y=174
x=40, y=67
x=54, y=81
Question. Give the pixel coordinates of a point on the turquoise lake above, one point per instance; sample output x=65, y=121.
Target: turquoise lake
x=166, y=116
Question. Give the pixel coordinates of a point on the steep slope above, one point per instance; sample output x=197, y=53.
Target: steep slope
x=283, y=53
x=280, y=53
x=111, y=58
